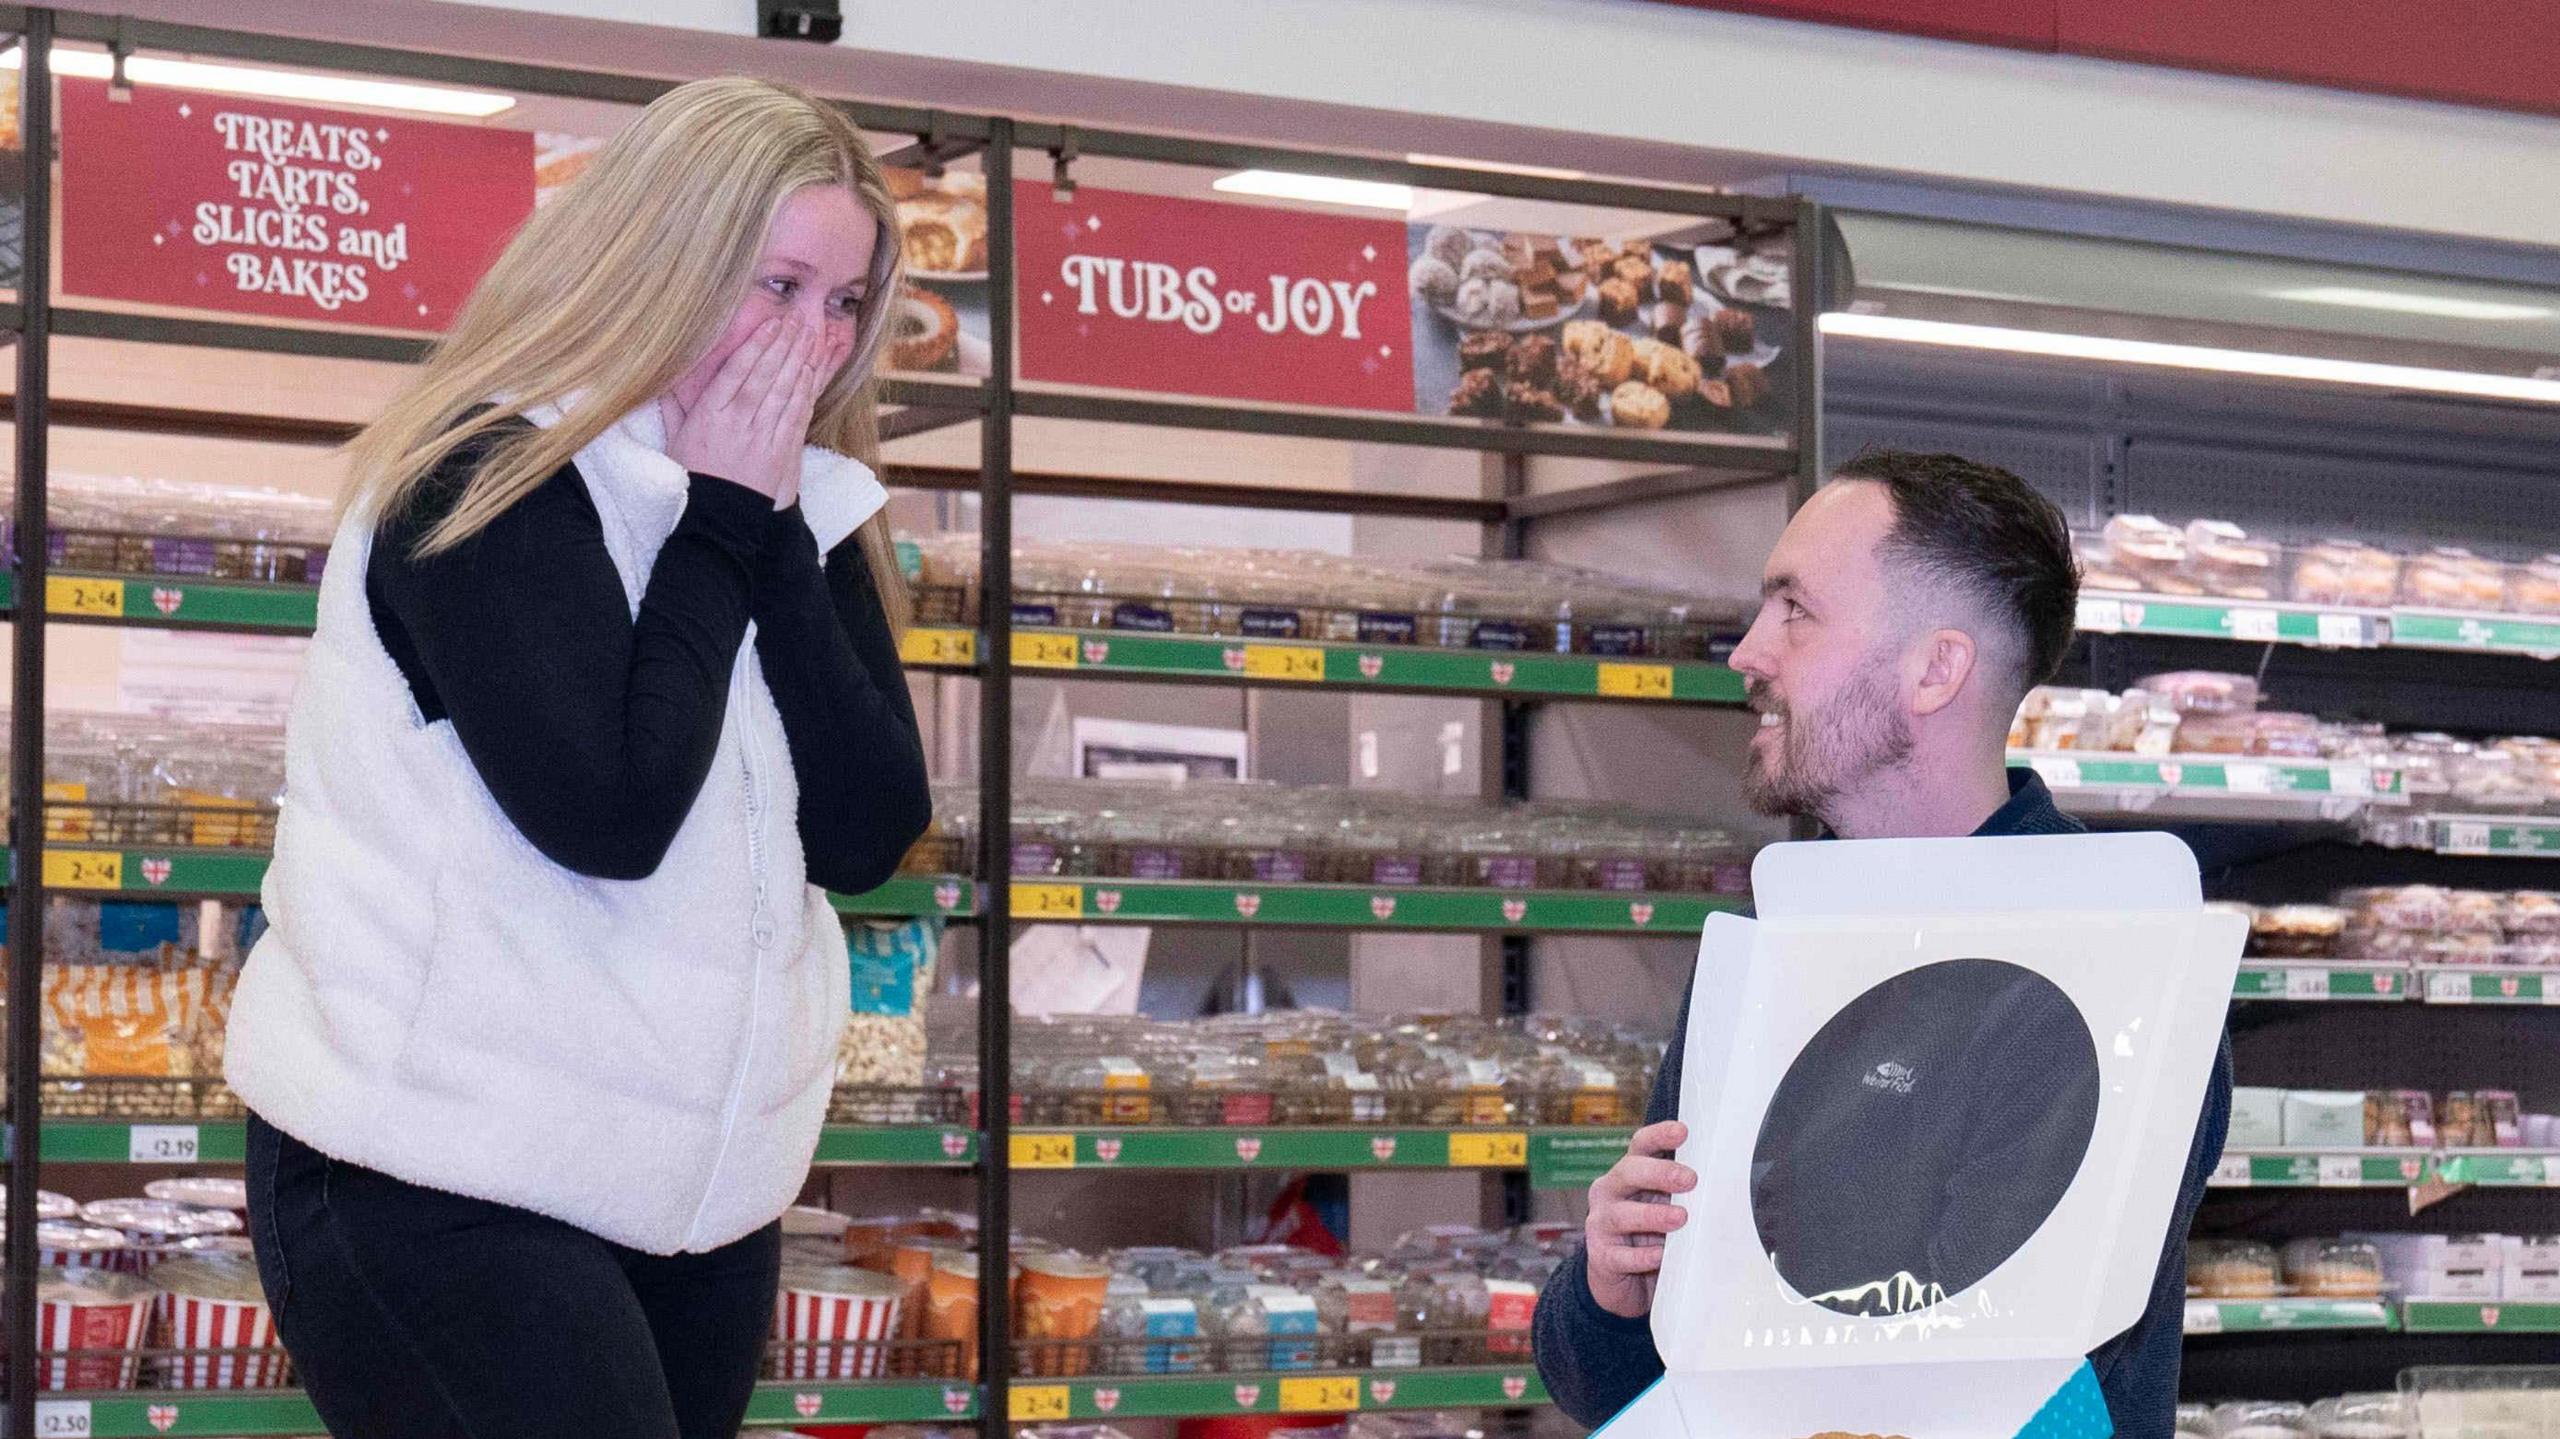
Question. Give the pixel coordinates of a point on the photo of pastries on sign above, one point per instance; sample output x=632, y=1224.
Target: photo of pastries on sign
x=939, y=319
x=1628, y=334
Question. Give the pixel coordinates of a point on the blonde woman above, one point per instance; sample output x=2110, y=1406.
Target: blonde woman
x=605, y=686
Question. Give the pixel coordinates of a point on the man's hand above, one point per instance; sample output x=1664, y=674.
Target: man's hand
x=1630, y=1218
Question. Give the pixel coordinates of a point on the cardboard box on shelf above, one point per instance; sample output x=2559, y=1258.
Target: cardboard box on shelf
x=2532, y=1267
x=2324, y=1118
x=1940, y=1106
x=2257, y=1119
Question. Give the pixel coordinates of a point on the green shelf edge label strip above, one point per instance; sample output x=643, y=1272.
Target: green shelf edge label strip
x=1313, y=1392
x=2275, y=1316
x=214, y=1414
x=2316, y=982
x=77, y=868
x=2480, y=1316
x=1555, y=1158
x=2326, y=627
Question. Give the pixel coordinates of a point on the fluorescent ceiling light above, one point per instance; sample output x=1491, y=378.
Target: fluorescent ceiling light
x=274, y=84
x=2403, y=302
x=1497, y=167
x=1317, y=189
x=2192, y=357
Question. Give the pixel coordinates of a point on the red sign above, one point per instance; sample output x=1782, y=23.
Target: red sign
x=178, y=197
x=1190, y=297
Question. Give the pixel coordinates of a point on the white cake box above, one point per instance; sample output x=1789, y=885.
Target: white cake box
x=2085, y=987
x=2440, y=1266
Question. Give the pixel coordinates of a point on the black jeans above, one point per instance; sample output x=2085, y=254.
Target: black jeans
x=415, y=1314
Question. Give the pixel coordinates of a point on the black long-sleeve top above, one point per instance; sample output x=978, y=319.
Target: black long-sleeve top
x=593, y=729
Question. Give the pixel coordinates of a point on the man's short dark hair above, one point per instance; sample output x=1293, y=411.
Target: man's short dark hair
x=1984, y=533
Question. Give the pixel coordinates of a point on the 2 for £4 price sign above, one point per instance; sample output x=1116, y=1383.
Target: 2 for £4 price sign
x=183, y=198
x=1227, y=301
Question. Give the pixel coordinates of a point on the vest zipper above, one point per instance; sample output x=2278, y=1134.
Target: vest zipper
x=761, y=926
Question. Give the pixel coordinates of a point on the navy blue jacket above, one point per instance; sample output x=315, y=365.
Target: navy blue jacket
x=1596, y=1363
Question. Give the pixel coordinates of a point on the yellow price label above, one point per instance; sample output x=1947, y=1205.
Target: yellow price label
x=1042, y=1151
x=1284, y=662
x=1636, y=682
x=1044, y=652
x=1508, y=1150
x=939, y=647
x=1319, y=1396
x=1048, y=901
x=83, y=869
x=79, y=595
x=1038, y=1403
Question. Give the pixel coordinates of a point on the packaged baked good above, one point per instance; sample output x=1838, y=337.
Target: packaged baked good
x=2533, y=588
x=2531, y=912
x=1638, y=406
x=2231, y=1269
x=2225, y=561
x=2451, y=578
x=2262, y=1420
x=2502, y=1114
x=2463, y=1123
x=2423, y=908
x=2474, y=911
x=2386, y=1124
x=2333, y=1269
x=2203, y=692
x=2346, y=572
x=2146, y=549
x=2297, y=931
x=2195, y=1421
x=2363, y=1416
x=2496, y=778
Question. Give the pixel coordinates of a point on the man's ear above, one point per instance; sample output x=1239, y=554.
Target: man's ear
x=1948, y=659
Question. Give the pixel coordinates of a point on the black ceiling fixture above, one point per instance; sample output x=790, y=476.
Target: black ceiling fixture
x=818, y=20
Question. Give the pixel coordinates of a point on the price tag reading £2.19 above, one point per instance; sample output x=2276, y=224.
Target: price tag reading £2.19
x=164, y=1144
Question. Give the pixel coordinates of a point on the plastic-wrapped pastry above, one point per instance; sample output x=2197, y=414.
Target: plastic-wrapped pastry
x=2418, y=907
x=2534, y=588
x=2496, y=779
x=2262, y=1420
x=2531, y=912
x=2146, y=549
x=2474, y=911
x=2450, y=578
x=2297, y=931
x=2222, y=558
x=2362, y=1416
x=2333, y=1268
x=2231, y=1269
x=2346, y=572
x=2203, y=692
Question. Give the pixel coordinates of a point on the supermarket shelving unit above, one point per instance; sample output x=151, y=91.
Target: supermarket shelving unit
x=987, y=1142
x=2302, y=463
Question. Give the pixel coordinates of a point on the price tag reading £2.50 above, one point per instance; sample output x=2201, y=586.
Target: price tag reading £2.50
x=62, y=1419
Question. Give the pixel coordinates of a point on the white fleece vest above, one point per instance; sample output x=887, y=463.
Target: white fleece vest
x=646, y=1059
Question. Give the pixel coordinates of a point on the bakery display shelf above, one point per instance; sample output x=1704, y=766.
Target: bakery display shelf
x=2215, y=786
x=2187, y=617
x=1107, y=654
x=2268, y=1316
x=178, y=871
x=1187, y=1396
x=2503, y=984
x=2320, y=626
x=241, y=1414
x=1556, y=1157
x=911, y=895
x=1345, y=906
x=2498, y=835
x=173, y=601
x=2500, y=1168
x=225, y=1141
x=2340, y=1168
x=2537, y=636
x=2480, y=1316
x=2322, y=980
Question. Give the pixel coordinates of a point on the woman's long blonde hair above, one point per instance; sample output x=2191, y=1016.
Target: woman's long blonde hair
x=616, y=287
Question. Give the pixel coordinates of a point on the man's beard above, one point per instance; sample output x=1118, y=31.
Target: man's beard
x=1857, y=734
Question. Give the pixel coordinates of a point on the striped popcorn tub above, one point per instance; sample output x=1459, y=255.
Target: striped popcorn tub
x=84, y=1317
x=212, y=1301
x=835, y=1322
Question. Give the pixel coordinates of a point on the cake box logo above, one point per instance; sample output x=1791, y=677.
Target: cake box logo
x=1891, y=1077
